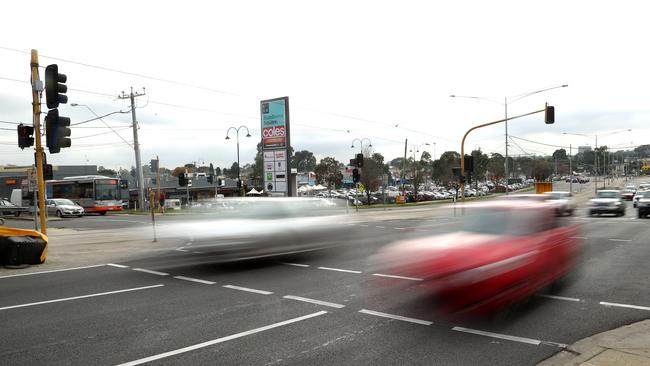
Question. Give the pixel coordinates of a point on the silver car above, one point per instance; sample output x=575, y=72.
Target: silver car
x=62, y=207
x=564, y=202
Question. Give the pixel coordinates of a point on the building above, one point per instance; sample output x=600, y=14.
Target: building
x=583, y=149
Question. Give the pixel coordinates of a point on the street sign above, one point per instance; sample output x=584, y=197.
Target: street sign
x=275, y=145
x=361, y=187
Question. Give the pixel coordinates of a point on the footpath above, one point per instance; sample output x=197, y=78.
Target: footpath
x=628, y=345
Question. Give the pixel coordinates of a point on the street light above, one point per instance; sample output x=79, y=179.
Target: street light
x=505, y=105
x=595, y=136
x=248, y=134
x=361, y=141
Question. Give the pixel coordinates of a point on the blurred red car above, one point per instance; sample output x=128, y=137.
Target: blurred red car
x=506, y=250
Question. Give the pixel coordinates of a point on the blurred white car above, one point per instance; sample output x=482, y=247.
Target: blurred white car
x=563, y=201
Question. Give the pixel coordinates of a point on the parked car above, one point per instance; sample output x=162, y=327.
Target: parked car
x=607, y=202
x=563, y=201
x=62, y=207
x=643, y=206
x=7, y=208
x=506, y=250
x=628, y=193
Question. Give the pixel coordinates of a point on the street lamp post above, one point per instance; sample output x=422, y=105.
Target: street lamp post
x=361, y=141
x=248, y=134
x=505, y=106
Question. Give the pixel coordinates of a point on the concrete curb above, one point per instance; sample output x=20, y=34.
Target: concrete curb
x=627, y=345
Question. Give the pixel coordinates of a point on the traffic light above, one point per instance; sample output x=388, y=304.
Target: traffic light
x=54, y=88
x=153, y=165
x=25, y=136
x=238, y=184
x=182, y=180
x=469, y=163
x=356, y=177
x=359, y=160
x=48, y=172
x=549, y=114
x=57, y=131
x=210, y=179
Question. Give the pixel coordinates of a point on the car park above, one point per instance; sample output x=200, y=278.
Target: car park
x=62, y=207
x=7, y=208
x=643, y=206
x=505, y=251
x=607, y=202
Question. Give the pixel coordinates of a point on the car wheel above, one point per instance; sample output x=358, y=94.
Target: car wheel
x=102, y=213
x=17, y=213
x=639, y=215
x=59, y=214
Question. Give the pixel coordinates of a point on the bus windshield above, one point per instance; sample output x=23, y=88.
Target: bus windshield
x=105, y=190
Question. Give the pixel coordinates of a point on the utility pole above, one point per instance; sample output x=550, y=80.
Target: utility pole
x=136, y=145
x=505, y=167
x=158, y=182
x=404, y=167
x=37, y=88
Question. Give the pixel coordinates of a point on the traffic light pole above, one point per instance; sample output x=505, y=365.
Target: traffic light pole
x=158, y=182
x=462, y=147
x=136, y=147
x=37, y=87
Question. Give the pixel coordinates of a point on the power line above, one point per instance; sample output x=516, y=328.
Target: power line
x=104, y=133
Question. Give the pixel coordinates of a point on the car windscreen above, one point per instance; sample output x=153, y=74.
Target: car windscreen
x=557, y=196
x=607, y=195
x=505, y=221
x=61, y=202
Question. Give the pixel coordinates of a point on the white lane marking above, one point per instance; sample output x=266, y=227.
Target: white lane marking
x=625, y=240
x=400, y=228
x=194, y=280
x=52, y=271
x=182, y=250
x=80, y=297
x=497, y=335
x=296, y=264
x=318, y=302
x=605, y=303
x=559, y=297
x=577, y=237
x=117, y=265
x=220, y=340
x=233, y=287
x=398, y=277
x=151, y=272
x=339, y=270
x=363, y=225
x=380, y=227
x=395, y=317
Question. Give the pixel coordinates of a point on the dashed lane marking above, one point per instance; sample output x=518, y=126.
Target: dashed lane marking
x=380, y=227
x=560, y=297
x=220, y=340
x=623, y=240
x=194, y=280
x=536, y=342
x=52, y=271
x=395, y=317
x=80, y=297
x=296, y=264
x=397, y=277
x=151, y=272
x=261, y=292
x=317, y=302
x=339, y=270
x=605, y=303
x=117, y=265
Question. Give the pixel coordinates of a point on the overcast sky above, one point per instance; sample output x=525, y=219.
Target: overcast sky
x=352, y=69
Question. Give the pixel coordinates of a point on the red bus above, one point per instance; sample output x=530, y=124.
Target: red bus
x=95, y=193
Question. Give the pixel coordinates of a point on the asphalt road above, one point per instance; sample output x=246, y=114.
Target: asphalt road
x=331, y=307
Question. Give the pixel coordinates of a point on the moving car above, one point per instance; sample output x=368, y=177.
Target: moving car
x=62, y=207
x=643, y=206
x=628, y=193
x=506, y=250
x=637, y=196
x=563, y=201
x=607, y=202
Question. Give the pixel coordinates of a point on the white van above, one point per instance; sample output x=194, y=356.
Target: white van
x=172, y=204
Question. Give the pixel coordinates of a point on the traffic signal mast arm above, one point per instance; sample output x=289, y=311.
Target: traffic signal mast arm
x=550, y=119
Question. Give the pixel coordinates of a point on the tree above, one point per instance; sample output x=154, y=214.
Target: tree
x=541, y=169
x=372, y=173
x=107, y=172
x=233, y=171
x=642, y=151
x=329, y=172
x=481, y=161
x=303, y=161
x=560, y=155
x=496, y=165
x=442, y=168
x=178, y=170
